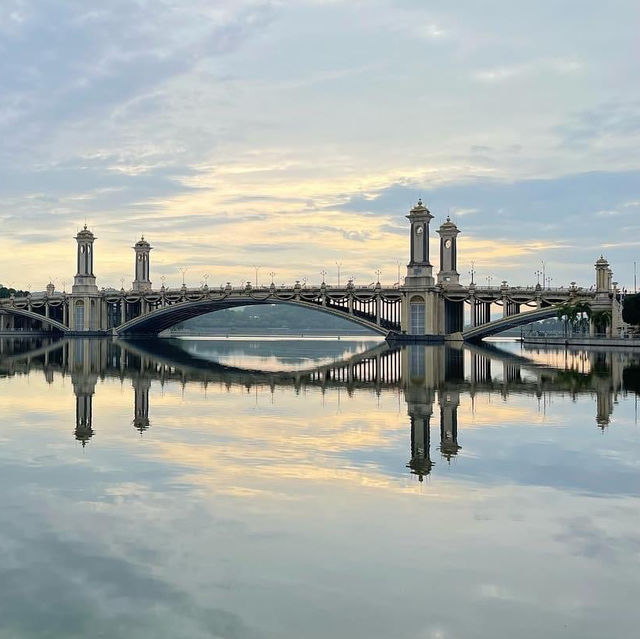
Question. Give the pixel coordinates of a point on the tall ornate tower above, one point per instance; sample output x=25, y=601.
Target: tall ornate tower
x=419, y=269
x=84, y=280
x=141, y=282
x=604, y=299
x=448, y=275
x=603, y=276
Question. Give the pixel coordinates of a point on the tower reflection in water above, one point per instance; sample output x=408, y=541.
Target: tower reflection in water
x=422, y=375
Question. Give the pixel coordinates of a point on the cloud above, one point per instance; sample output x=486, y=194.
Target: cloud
x=558, y=66
x=616, y=122
x=254, y=126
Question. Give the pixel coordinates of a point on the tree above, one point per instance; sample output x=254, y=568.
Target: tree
x=601, y=319
x=583, y=315
x=8, y=292
x=572, y=314
x=565, y=313
x=631, y=310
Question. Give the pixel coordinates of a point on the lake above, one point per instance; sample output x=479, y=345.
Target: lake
x=308, y=488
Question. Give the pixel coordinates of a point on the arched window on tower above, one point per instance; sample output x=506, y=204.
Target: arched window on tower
x=416, y=316
x=78, y=316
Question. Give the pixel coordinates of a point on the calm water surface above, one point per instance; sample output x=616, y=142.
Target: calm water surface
x=314, y=488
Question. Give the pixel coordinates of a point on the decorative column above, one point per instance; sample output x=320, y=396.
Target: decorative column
x=350, y=296
x=473, y=311
x=505, y=300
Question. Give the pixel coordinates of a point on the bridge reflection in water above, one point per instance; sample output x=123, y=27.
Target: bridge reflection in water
x=428, y=377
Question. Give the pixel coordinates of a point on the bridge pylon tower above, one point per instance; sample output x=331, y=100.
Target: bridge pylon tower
x=448, y=276
x=84, y=280
x=604, y=296
x=419, y=302
x=450, y=312
x=142, y=250
x=86, y=307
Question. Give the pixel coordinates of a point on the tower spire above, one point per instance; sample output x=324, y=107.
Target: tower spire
x=419, y=269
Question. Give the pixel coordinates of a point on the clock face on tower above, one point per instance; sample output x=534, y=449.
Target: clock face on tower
x=419, y=230
x=447, y=243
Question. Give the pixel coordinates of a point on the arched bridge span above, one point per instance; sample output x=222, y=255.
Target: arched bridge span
x=161, y=319
x=488, y=329
x=46, y=321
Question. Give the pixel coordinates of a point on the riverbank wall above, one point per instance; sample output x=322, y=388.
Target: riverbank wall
x=582, y=340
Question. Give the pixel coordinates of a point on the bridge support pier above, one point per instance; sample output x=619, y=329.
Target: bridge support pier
x=472, y=309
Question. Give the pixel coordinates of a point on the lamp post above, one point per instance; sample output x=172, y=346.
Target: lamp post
x=323, y=273
x=272, y=276
x=472, y=272
x=378, y=273
x=182, y=270
x=257, y=268
x=338, y=264
x=538, y=274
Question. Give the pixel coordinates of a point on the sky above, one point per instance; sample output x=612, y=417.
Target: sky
x=292, y=135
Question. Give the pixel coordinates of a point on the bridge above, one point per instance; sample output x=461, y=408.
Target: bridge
x=422, y=308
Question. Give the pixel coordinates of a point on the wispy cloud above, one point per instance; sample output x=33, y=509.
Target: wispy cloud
x=560, y=66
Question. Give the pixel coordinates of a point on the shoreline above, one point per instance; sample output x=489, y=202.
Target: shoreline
x=618, y=342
